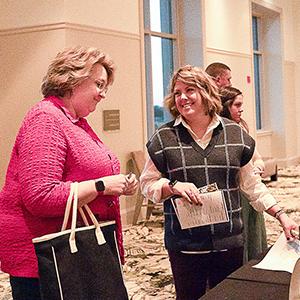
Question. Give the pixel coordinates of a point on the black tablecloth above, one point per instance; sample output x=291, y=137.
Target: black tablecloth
x=253, y=284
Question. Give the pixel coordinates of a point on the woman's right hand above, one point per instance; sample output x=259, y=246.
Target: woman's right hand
x=188, y=191
x=114, y=185
x=120, y=184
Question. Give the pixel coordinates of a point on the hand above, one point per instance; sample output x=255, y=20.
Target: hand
x=114, y=184
x=188, y=191
x=132, y=184
x=258, y=171
x=288, y=225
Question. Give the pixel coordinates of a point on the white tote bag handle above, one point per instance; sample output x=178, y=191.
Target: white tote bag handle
x=72, y=241
x=73, y=199
x=98, y=232
x=68, y=207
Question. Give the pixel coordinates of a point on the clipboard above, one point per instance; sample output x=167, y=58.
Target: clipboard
x=213, y=210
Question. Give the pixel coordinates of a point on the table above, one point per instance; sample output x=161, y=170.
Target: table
x=253, y=284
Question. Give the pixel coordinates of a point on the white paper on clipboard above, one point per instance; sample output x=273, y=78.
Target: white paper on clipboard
x=212, y=211
x=282, y=256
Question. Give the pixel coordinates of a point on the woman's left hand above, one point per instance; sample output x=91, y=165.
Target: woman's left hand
x=288, y=225
x=131, y=185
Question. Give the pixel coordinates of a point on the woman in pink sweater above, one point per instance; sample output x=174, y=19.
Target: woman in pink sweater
x=54, y=147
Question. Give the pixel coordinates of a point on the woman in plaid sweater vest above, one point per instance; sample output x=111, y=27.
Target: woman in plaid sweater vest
x=196, y=149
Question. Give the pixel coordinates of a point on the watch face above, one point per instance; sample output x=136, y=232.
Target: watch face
x=100, y=186
x=172, y=183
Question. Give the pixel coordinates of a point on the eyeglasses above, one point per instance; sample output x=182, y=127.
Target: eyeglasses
x=101, y=85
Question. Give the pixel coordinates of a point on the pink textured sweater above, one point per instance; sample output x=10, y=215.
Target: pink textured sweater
x=51, y=150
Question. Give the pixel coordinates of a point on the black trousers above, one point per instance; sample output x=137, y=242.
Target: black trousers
x=25, y=288
x=193, y=273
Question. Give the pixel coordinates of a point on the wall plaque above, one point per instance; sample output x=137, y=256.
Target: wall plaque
x=111, y=119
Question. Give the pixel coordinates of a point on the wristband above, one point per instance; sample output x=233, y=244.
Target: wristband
x=279, y=213
x=171, y=184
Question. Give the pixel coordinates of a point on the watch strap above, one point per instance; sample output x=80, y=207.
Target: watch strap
x=171, y=184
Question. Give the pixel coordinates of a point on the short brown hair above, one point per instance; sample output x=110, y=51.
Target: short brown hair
x=216, y=69
x=196, y=77
x=72, y=66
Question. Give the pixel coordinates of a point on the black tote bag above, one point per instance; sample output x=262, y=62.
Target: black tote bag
x=80, y=263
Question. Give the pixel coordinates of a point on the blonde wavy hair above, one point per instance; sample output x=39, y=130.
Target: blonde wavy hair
x=71, y=67
x=195, y=77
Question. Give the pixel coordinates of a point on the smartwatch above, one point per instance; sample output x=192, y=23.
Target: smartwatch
x=171, y=184
x=100, y=187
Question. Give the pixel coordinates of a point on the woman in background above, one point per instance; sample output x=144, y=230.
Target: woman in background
x=55, y=146
x=254, y=223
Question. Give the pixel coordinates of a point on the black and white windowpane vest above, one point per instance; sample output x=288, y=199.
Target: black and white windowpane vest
x=177, y=156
